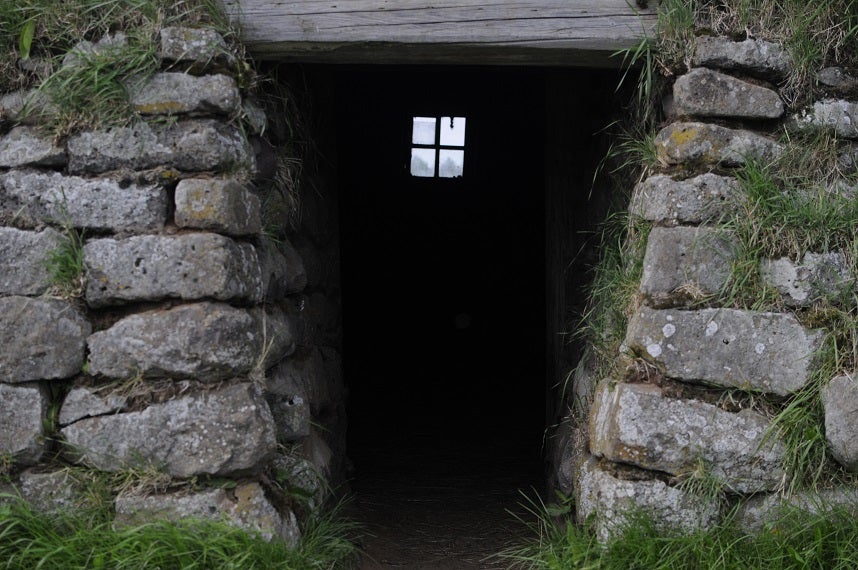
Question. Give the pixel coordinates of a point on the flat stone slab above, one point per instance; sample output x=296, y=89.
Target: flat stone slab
x=197, y=49
x=23, y=257
x=608, y=502
x=42, y=339
x=817, y=276
x=840, y=399
x=839, y=80
x=764, y=512
x=99, y=203
x=686, y=264
x=27, y=146
x=187, y=267
x=757, y=57
x=172, y=93
x=221, y=432
x=26, y=106
x=835, y=115
x=219, y=205
x=702, y=199
x=85, y=401
x=640, y=425
x=706, y=93
x=190, y=145
x=23, y=409
x=54, y=492
x=769, y=352
x=703, y=143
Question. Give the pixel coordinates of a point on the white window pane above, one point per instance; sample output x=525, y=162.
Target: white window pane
x=423, y=131
x=453, y=131
x=423, y=162
x=451, y=163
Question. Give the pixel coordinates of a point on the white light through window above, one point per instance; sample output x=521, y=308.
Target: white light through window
x=444, y=158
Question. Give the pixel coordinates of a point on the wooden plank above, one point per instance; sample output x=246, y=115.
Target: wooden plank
x=548, y=32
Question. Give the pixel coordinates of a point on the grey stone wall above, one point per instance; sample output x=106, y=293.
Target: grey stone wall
x=197, y=343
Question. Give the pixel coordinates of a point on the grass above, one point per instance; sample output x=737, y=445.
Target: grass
x=65, y=263
x=31, y=540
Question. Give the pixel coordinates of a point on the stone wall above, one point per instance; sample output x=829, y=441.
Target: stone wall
x=679, y=409
x=201, y=341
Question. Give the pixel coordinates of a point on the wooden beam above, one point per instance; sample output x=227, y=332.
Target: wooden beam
x=534, y=32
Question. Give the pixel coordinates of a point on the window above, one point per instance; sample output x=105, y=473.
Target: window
x=438, y=147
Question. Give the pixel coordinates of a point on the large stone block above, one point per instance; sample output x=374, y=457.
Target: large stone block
x=188, y=267
x=817, y=276
x=701, y=199
x=308, y=376
x=22, y=412
x=705, y=93
x=835, y=115
x=207, y=341
x=703, y=143
x=26, y=146
x=99, y=203
x=196, y=49
x=26, y=106
x=757, y=57
x=42, y=339
x=220, y=205
x=226, y=431
x=282, y=269
x=840, y=399
x=53, y=492
x=23, y=256
x=608, y=502
x=770, y=352
x=685, y=264
x=173, y=93
x=86, y=401
x=245, y=507
x=639, y=424
x=838, y=80
x=191, y=145
x=764, y=512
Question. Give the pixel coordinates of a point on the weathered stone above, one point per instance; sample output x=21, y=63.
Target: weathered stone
x=85, y=401
x=22, y=412
x=26, y=146
x=608, y=502
x=704, y=198
x=640, y=425
x=303, y=376
x=197, y=49
x=282, y=269
x=54, y=492
x=176, y=93
x=254, y=116
x=291, y=416
x=317, y=451
x=838, y=80
x=208, y=341
x=23, y=257
x=25, y=106
x=705, y=93
x=220, y=205
x=299, y=474
x=760, y=513
x=188, y=267
x=840, y=399
x=682, y=143
x=278, y=335
x=42, y=339
x=109, y=46
x=569, y=445
x=818, y=276
x=226, y=431
x=830, y=114
x=770, y=352
x=191, y=145
x=752, y=56
x=685, y=264
x=99, y=204
x=245, y=507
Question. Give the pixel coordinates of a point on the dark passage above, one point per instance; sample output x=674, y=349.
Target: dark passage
x=444, y=309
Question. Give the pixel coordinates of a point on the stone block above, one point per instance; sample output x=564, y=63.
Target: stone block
x=190, y=145
x=685, y=264
x=640, y=425
x=42, y=339
x=99, y=204
x=26, y=146
x=705, y=93
x=282, y=269
x=171, y=93
x=22, y=412
x=839, y=81
x=608, y=501
x=26, y=106
x=698, y=200
x=299, y=474
x=219, y=205
x=225, y=431
x=835, y=115
x=702, y=143
x=109, y=46
x=317, y=451
x=187, y=267
x=23, y=257
x=245, y=507
x=756, y=57
x=764, y=512
x=840, y=399
x=769, y=352
x=198, y=50
x=818, y=276
x=54, y=492
x=291, y=416
x=86, y=401
x=303, y=376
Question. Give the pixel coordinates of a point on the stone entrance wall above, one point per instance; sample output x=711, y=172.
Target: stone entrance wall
x=202, y=340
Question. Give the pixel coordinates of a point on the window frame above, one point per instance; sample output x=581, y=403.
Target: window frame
x=437, y=147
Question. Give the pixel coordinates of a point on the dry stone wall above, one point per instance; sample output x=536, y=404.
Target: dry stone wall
x=197, y=343
x=668, y=417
